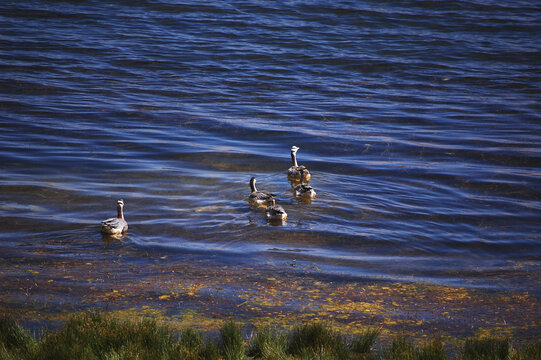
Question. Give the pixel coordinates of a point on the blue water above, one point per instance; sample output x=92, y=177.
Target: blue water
x=418, y=120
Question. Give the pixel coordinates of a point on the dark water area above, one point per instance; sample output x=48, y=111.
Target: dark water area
x=419, y=122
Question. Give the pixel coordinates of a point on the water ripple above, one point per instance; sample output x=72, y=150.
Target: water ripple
x=419, y=122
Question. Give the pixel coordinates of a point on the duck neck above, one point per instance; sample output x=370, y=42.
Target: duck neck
x=252, y=186
x=294, y=159
x=120, y=214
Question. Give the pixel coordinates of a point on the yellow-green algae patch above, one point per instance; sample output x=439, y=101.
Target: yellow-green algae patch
x=180, y=321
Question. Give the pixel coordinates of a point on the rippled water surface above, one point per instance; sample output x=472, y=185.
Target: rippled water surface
x=419, y=122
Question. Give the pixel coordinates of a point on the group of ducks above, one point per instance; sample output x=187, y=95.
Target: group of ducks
x=299, y=177
x=297, y=174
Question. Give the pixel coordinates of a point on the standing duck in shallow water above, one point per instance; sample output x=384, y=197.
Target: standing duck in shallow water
x=304, y=190
x=115, y=226
x=258, y=198
x=275, y=212
x=293, y=173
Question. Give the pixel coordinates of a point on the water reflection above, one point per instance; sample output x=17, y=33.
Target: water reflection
x=114, y=237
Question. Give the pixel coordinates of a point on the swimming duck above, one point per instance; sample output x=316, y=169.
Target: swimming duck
x=275, y=212
x=115, y=226
x=258, y=198
x=293, y=173
x=302, y=189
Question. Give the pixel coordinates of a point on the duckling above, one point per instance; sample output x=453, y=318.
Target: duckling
x=115, y=226
x=275, y=212
x=302, y=189
x=258, y=198
x=293, y=173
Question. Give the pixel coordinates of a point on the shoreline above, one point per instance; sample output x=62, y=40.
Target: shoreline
x=42, y=289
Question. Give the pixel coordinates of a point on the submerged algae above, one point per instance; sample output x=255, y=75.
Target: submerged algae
x=42, y=289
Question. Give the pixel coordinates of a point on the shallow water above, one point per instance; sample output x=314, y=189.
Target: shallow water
x=418, y=121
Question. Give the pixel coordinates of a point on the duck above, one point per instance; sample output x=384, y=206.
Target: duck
x=116, y=225
x=275, y=212
x=293, y=173
x=302, y=189
x=256, y=197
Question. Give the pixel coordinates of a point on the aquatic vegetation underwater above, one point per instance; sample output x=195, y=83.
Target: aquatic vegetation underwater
x=94, y=335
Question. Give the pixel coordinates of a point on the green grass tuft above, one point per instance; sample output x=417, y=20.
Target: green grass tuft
x=362, y=344
x=190, y=339
x=232, y=342
x=189, y=345
x=432, y=350
x=97, y=336
x=528, y=352
x=267, y=344
x=401, y=349
x=489, y=348
x=15, y=342
x=208, y=351
x=316, y=341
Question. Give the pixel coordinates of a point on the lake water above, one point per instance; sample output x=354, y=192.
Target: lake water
x=419, y=122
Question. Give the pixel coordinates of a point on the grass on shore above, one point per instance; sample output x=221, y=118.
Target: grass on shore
x=101, y=336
